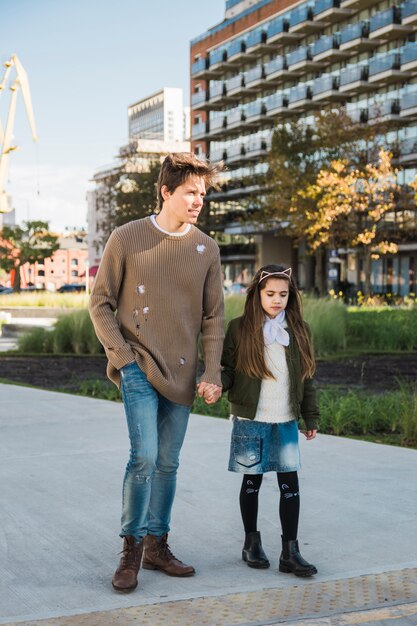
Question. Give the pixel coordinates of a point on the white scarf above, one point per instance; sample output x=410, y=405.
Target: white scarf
x=274, y=330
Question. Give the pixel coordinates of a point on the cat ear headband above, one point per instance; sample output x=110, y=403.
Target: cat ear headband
x=285, y=274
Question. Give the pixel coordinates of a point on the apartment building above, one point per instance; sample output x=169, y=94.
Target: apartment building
x=274, y=60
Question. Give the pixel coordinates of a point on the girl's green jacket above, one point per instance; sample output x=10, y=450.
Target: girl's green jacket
x=244, y=391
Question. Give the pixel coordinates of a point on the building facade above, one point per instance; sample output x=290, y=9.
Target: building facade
x=66, y=266
x=274, y=60
x=160, y=116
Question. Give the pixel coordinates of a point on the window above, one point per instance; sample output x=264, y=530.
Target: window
x=74, y=273
x=74, y=261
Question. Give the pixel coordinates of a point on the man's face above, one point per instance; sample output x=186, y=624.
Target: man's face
x=185, y=203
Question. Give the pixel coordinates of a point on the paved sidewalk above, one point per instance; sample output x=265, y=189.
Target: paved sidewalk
x=62, y=460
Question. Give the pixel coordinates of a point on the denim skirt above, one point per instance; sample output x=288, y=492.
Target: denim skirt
x=259, y=447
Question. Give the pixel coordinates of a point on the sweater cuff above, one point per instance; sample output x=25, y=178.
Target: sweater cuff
x=121, y=356
x=311, y=423
x=214, y=378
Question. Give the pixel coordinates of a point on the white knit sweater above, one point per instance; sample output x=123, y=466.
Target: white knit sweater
x=274, y=399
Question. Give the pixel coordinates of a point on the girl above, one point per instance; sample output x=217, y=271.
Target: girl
x=268, y=366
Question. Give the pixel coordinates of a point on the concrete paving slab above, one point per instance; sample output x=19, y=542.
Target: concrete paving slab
x=62, y=460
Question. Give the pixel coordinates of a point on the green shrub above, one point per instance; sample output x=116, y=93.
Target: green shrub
x=72, y=334
x=358, y=413
x=38, y=341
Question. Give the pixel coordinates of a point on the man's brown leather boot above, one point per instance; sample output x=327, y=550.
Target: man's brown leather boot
x=159, y=556
x=126, y=576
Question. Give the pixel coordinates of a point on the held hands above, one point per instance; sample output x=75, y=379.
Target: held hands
x=210, y=392
x=309, y=434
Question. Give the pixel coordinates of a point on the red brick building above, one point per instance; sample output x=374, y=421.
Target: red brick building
x=66, y=266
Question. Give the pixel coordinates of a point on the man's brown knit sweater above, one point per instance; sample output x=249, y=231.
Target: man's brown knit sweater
x=164, y=290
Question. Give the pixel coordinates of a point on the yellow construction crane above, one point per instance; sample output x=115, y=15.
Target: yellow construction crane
x=20, y=81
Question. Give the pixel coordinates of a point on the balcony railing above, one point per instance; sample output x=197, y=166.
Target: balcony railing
x=235, y=116
x=300, y=92
x=198, y=129
x=409, y=53
x=302, y=14
x=325, y=5
x=275, y=102
x=299, y=55
x=199, y=97
x=255, y=38
x=409, y=9
x=389, y=107
x=275, y=65
x=217, y=89
x=325, y=43
x=217, y=122
x=217, y=154
x=235, y=47
x=353, y=75
x=256, y=146
x=217, y=56
x=384, y=63
x=255, y=109
x=235, y=83
x=384, y=18
x=409, y=146
x=256, y=73
x=234, y=152
x=409, y=101
x=199, y=66
x=325, y=83
x=276, y=27
x=354, y=31
x=360, y=116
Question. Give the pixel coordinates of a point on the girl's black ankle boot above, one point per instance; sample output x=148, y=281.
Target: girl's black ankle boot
x=291, y=561
x=253, y=552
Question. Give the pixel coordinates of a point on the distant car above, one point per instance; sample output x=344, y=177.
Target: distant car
x=236, y=288
x=5, y=290
x=67, y=288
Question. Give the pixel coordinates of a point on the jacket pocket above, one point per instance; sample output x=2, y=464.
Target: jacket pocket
x=246, y=450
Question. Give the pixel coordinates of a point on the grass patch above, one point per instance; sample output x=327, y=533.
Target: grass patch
x=103, y=389
x=46, y=299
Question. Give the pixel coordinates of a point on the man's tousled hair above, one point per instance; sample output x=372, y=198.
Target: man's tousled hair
x=177, y=167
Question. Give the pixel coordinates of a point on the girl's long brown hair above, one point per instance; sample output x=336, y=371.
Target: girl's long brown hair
x=250, y=358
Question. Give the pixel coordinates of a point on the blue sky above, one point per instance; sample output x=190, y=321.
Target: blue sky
x=87, y=60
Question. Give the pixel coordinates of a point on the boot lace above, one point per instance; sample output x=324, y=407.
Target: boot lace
x=164, y=551
x=130, y=556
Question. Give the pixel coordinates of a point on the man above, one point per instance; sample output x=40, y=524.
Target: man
x=161, y=276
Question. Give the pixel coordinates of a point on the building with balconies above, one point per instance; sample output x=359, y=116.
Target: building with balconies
x=273, y=60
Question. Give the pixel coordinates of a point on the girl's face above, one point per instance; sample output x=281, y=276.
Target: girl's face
x=274, y=296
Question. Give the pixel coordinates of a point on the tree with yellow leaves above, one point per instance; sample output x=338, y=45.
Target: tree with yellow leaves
x=351, y=207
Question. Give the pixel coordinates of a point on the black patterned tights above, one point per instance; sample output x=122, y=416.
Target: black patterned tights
x=289, y=504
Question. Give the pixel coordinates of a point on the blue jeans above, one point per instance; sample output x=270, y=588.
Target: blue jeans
x=156, y=428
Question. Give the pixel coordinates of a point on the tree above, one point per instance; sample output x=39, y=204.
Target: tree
x=298, y=152
x=30, y=243
x=129, y=194
x=350, y=207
